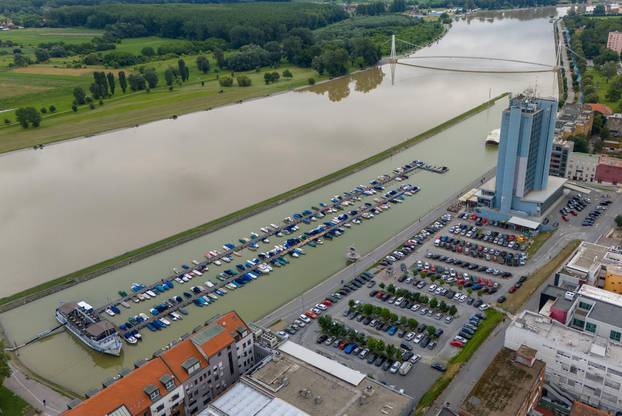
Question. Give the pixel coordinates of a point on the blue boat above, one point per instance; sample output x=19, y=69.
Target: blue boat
x=151, y=327
x=115, y=309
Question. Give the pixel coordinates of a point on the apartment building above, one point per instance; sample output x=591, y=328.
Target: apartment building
x=181, y=380
x=580, y=365
x=560, y=157
x=582, y=167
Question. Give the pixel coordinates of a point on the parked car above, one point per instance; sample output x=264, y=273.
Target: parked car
x=440, y=367
x=395, y=367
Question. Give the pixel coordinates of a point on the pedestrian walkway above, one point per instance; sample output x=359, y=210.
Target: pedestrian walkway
x=39, y=396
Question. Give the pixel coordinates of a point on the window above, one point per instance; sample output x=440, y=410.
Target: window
x=614, y=335
x=160, y=407
x=585, y=306
x=578, y=323
x=590, y=327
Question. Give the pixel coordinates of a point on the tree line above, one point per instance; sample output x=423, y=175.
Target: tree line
x=256, y=23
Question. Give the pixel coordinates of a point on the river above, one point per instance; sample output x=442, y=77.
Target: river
x=84, y=200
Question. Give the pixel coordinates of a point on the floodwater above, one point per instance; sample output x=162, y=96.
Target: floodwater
x=85, y=200
x=78, y=202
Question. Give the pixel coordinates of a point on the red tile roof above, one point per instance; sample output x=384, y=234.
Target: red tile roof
x=175, y=357
x=128, y=391
x=582, y=409
x=601, y=108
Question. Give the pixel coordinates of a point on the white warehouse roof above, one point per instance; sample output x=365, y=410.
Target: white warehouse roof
x=325, y=364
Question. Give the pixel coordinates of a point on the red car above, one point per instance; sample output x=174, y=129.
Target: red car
x=574, y=213
x=564, y=218
x=512, y=289
x=343, y=344
x=456, y=343
x=380, y=294
x=311, y=314
x=327, y=303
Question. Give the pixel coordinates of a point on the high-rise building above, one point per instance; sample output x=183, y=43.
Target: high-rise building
x=522, y=182
x=527, y=127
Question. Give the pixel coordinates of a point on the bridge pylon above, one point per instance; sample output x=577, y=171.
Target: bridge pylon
x=393, y=57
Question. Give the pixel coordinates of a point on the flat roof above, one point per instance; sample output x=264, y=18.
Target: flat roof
x=553, y=185
x=504, y=386
x=587, y=257
x=523, y=222
x=319, y=393
x=602, y=295
x=323, y=363
x=468, y=195
x=577, y=188
x=244, y=400
x=565, y=337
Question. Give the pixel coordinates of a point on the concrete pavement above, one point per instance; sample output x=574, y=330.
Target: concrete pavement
x=38, y=395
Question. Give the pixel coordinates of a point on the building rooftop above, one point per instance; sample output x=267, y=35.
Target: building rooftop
x=128, y=393
x=587, y=258
x=242, y=399
x=553, y=185
x=602, y=295
x=504, y=387
x=582, y=409
x=318, y=393
x=581, y=342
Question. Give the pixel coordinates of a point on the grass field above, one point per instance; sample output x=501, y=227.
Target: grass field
x=33, y=37
x=538, y=242
x=601, y=85
x=11, y=404
x=135, y=45
x=493, y=318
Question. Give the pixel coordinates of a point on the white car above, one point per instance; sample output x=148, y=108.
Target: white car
x=483, y=306
x=432, y=288
x=463, y=298
x=414, y=308
x=461, y=339
x=409, y=336
x=415, y=358
x=418, y=338
x=395, y=367
x=305, y=319
x=322, y=307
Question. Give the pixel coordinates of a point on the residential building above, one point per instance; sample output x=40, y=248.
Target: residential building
x=200, y=367
x=522, y=183
x=579, y=365
x=582, y=167
x=511, y=385
x=597, y=311
x=609, y=170
x=614, y=124
x=614, y=41
x=151, y=389
x=560, y=157
x=296, y=381
x=613, y=278
x=574, y=119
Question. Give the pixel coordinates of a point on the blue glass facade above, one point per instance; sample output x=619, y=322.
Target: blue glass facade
x=527, y=128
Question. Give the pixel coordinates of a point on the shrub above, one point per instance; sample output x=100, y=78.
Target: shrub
x=244, y=81
x=43, y=110
x=52, y=108
x=225, y=81
x=92, y=106
x=311, y=81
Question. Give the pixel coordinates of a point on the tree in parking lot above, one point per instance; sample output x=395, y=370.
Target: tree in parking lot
x=351, y=303
x=404, y=320
x=381, y=285
x=433, y=303
x=469, y=291
x=367, y=309
x=391, y=351
x=385, y=314
x=412, y=324
x=391, y=288
x=415, y=296
x=443, y=306
x=431, y=330
x=452, y=310
x=619, y=220
x=325, y=322
x=423, y=299
x=377, y=310
x=393, y=317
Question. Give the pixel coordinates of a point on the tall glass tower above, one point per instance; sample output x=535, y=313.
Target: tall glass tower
x=527, y=129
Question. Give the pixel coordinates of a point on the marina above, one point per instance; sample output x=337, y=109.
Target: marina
x=230, y=279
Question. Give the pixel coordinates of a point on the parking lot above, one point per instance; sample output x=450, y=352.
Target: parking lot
x=465, y=263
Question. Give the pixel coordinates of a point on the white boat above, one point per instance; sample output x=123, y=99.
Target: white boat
x=131, y=340
x=110, y=312
x=135, y=299
x=196, y=263
x=151, y=293
x=493, y=137
x=198, y=273
x=125, y=304
x=209, y=284
x=81, y=320
x=218, y=263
